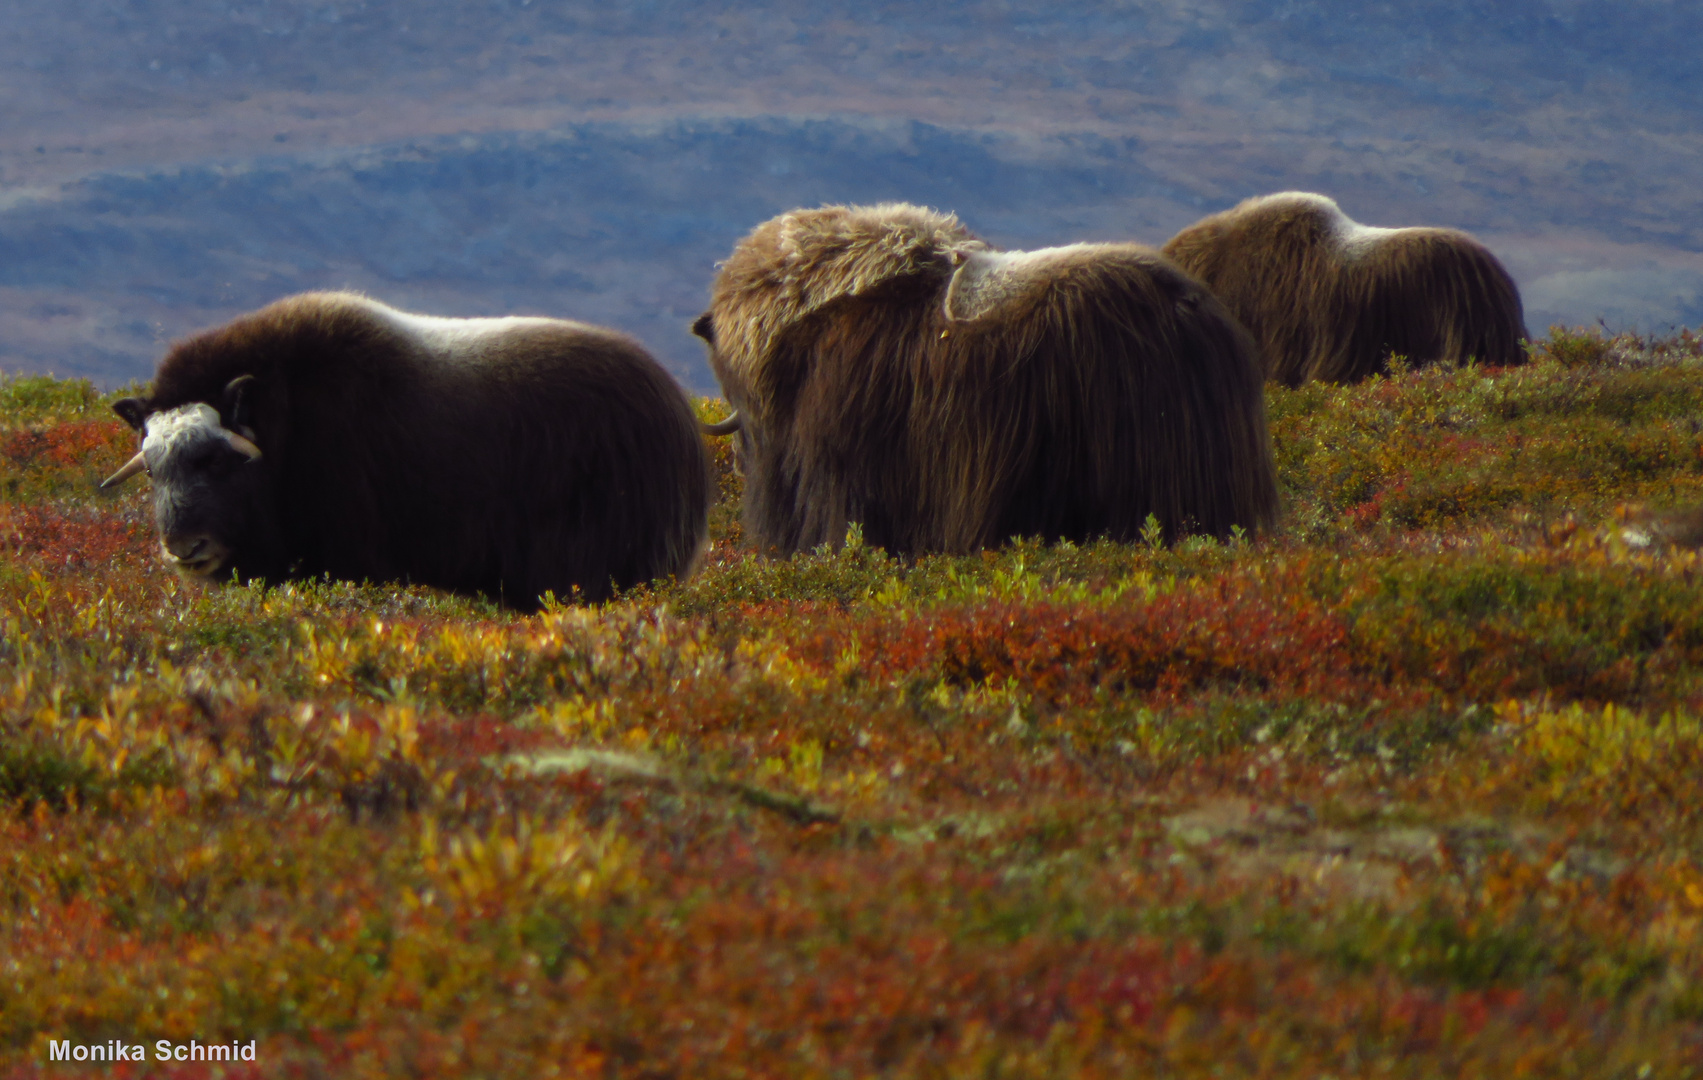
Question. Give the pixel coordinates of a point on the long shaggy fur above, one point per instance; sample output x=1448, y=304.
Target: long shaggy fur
x=503, y=457
x=895, y=371
x=1330, y=299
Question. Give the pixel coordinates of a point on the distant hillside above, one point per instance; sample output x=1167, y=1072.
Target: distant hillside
x=607, y=224
x=167, y=163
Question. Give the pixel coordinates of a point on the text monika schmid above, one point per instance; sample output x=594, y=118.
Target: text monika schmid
x=164, y=1050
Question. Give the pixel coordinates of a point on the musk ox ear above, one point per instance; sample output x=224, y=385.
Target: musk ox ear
x=704, y=327
x=238, y=405
x=133, y=411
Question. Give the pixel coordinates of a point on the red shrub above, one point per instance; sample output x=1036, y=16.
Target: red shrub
x=65, y=536
x=67, y=444
x=1224, y=635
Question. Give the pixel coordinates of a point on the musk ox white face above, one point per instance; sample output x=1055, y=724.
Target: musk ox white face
x=208, y=484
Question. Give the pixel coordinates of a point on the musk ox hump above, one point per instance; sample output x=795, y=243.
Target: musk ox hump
x=988, y=282
x=1352, y=240
x=1323, y=218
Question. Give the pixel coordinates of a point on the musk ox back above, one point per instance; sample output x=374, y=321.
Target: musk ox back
x=330, y=434
x=891, y=369
x=1330, y=299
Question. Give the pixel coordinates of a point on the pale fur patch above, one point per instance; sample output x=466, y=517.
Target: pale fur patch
x=454, y=339
x=988, y=280
x=1353, y=240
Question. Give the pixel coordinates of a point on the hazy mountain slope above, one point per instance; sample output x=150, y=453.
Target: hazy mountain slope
x=584, y=223
x=168, y=162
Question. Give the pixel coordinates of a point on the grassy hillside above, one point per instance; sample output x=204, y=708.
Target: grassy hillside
x=1405, y=789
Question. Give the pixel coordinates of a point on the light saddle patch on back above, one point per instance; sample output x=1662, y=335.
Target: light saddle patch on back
x=459, y=340
x=1352, y=239
x=1357, y=241
x=987, y=281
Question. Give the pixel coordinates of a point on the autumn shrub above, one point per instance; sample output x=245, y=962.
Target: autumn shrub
x=1590, y=422
x=32, y=399
x=1403, y=787
x=1495, y=627
x=32, y=772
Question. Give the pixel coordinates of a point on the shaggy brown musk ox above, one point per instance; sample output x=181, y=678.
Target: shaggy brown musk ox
x=1330, y=299
x=890, y=369
x=330, y=434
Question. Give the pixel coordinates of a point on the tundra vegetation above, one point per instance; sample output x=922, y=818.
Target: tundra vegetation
x=1406, y=788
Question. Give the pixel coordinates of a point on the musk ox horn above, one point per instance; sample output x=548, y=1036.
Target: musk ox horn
x=131, y=468
x=725, y=427
x=242, y=445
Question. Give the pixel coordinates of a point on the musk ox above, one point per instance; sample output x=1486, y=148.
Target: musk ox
x=330, y=434
x=890, y=369
x=1328, y=298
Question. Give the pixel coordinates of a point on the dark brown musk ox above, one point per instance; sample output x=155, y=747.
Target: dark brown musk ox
x=329, y=434
x=1330, y=299
x=888, y=368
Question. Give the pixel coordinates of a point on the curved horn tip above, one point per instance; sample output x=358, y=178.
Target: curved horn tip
x=724, y=427
x=130, y=468
x=243, y=445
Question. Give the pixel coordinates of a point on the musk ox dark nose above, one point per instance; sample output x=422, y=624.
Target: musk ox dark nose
x=195, y=553
x=186, y=548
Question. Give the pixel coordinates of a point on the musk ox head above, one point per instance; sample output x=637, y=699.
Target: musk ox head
x=796, y=265
x=799, y=264
x=211, y=481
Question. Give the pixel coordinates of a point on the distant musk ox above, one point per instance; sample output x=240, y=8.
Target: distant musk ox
x=330, y=434
x=1330, y=299
x=890, y=369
